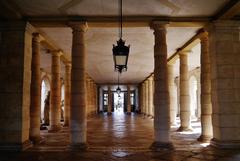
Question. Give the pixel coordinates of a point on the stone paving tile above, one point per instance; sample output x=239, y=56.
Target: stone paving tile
x=122, y=138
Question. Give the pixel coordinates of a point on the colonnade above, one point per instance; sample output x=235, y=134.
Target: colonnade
x=219, y=87
x=146, y=96
x=55, y=93
x=164, y=96
x=92, y=96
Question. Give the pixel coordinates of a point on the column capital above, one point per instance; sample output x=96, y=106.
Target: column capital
x=37, y=37
x=56, y=52
x=184, y=52
x=203, y=34
x=159, y=25
x=68, y=64
x=150, y=78
x=78, y=26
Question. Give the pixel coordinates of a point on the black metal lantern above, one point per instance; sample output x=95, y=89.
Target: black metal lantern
x=120, y=56
x=118, y=90
x=120, y=52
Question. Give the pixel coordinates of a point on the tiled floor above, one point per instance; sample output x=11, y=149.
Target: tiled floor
x=122, y=137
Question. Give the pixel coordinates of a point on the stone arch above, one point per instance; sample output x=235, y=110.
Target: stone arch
x=62, y=99
x=45, y=87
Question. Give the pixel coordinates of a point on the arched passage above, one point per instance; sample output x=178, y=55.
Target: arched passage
x=193, y=97
x=62, y=101
x=45, y=88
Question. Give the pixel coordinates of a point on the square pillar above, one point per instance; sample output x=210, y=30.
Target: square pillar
x=15, y=67
x=224, y=39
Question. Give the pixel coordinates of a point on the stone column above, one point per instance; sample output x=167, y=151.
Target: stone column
x=225, y=83
x=78, y=121
x=150, y=96
x=172, y=96
x=140, y=98
x=109, y=109
x=93, y=96
x=185, y=111
x=161, y=94
x=35, y=103
x=88, y=102
x=199, y=97
x=67, y=94
x=55, y=96
x=128, y=100
x=146, y=98
x=206, y=104
x=153, y=95
x=143, y=99
x=89, y=110
x=96, y=99
x=100, y=99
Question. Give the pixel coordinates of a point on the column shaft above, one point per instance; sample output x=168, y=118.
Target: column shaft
x=143, y=99
x=88, y=96
x=55, y=96
x=128, y=100
x=93, y=96
x=146, y=98
x=161, y=94
x=150, y=96
x=78, y=122
x=67, y=94
x=206, y=104
x=185, y=112
x=109, y=109
x=35, y=105
x=173, y=99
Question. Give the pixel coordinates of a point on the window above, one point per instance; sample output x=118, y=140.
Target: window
x=132, y=98
x=105, y=99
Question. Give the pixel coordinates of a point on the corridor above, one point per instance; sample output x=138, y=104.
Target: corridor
x=123, y=137
x=120, y=131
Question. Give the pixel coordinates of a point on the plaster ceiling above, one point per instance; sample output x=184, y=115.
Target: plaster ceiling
x=99, y=40
x=176, y=8
x=99, y=50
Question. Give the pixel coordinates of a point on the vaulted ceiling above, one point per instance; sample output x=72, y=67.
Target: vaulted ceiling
x=50, y=18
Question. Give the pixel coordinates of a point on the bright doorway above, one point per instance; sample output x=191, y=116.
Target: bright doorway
x=118, y=102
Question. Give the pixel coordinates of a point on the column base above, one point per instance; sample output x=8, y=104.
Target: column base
x=66, y=125
x=184, y=129
x=78, y=147
x=54, y=128
x=173, y=124
x=150, y=116
x=36, y=140
x=231, y=144
x=204, y=138
x=157, y=146
x=16, y=147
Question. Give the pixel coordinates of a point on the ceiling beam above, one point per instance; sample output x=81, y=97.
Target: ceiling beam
x=231, y=9
x=112, y=21
x=49, y=44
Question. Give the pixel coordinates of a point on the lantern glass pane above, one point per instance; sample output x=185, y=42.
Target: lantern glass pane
x=120, y=60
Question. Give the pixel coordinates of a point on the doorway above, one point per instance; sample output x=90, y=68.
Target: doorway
x=118, y=102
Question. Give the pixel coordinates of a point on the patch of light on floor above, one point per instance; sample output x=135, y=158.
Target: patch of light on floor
x=204, y=144
x=188, y=132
